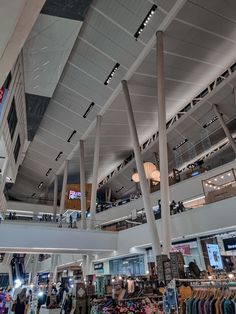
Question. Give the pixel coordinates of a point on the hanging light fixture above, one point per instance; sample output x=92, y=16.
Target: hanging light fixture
x=151, y=172
x=155, y=175
x=135, y=177
x=149, y=168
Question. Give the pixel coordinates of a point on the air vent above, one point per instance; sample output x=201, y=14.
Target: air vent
x=145, y=21
x=88, y=110
x=58, y=156
x=48, y=172
x=110, y=76
x=70, y=137
x=180, y=144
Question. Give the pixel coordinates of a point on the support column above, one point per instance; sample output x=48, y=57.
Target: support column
x=201, y=254
x=83, y=206
x=35, y=267
x=63, y=190
x=95, y=172
x=224, y=127
x=143, y=181
x=55, y=198
x=163, y=155
x=84, y=266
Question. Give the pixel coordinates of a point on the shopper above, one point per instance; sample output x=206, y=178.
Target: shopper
x=71, y=221
x=21, y=303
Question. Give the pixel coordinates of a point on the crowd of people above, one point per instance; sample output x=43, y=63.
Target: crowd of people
x=11, y=301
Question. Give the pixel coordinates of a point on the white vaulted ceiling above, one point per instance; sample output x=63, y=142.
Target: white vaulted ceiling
x=200, y=43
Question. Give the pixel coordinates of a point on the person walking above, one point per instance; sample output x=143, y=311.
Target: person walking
x=21, y=303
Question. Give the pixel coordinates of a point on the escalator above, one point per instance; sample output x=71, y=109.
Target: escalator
x=18, y=268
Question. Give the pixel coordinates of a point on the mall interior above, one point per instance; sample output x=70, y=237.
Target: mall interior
x=118, y=156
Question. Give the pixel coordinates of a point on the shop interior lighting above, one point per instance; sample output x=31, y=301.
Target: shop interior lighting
x=222, y=177
x=58, y=156
x=88, y=110
x=110, y=76
x=231, y=276
x=229, y=174
x=180, y=144
x=215, y=179
x=48, y=172
x=145, y=21
x=70, y=137
x=40, y=185
x=210, y=122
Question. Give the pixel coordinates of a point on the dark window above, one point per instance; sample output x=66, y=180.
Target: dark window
x=12, y=118
x=17, y=148
x=7, y=81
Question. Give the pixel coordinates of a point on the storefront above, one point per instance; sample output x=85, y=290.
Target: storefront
x=128, y=266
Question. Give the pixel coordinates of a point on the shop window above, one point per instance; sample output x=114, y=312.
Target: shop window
x=12, y=118
x=17, y=148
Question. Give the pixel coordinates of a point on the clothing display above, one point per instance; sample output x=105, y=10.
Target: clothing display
x=170, y=300
x=210, y=303
x=138, y=306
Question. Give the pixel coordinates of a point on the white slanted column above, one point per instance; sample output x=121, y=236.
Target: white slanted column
x=82, y=187
x=225, y=128
x=143, y=181
x=95, y=172
x=63, y=190
x=163, y=154
x=55, y=198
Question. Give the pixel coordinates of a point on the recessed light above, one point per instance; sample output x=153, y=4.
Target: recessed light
x=145, y=21
x=110, y=76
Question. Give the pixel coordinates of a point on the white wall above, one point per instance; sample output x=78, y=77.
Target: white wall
x=184, y=190
x=35, y=208
x=190, y=224
x=28, y=237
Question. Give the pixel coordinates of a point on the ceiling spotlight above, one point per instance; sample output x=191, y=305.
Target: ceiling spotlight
x=222, y=177
x=88, y=110
x=58, y=156
x=70, y=137
x=209, y=181
x=145, y=21
x=180, y=144
x=210, y=122
x=107, y=81
x=210, y=186
x=229, y=174
x=215, y=179
x=206, y=184
x=48, y=172
x=40, y=185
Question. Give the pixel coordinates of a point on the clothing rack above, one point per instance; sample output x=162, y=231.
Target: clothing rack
x=203, y=283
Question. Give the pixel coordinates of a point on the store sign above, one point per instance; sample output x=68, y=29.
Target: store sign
x=183, y=248
x=230, y=244
x=98, y=266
